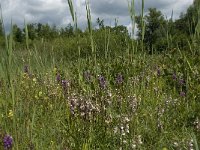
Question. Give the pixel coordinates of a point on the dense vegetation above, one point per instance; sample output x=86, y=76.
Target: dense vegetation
x=100, y=88
x=161, y=33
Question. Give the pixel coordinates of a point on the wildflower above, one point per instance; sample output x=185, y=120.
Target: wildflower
x=58, y=78
x=139, y=139
x=174, y=77
x=182, y=94
x=127, y=128
x=65, y=84
x=181, y=82
x=73, y=106
x=158, y=72
x=122, y=128
x=109, y=93
x=52, y=142
x=119, y=79
x=102, y=82
x=87, y=76
x=115, y=130
x=34, y=80
x=7, y=141
x=175, y=144
x=51, y=106
x=40, y=93
x=10, y=114
x=26, y=69
x=126, y=119
x=36, y=97
x=159, y=125
x=133, y=145
x=191, y=144
x=197, y=124
x=123, y=133
x=124, y=141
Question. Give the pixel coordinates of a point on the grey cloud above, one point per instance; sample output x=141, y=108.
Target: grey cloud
x=57, y=11
x=112, y=7
x=120, y=7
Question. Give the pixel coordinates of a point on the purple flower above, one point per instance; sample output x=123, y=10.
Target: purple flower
x=7, y=141
x=65, y=84
x=182, y=94
x=181, y=82
x=26, y=69
x=58, y=78
x=174, y=77
x=102, y=82
x=158, y=72
x=119, y=79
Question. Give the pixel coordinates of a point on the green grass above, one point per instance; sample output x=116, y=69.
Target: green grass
x=122, y=100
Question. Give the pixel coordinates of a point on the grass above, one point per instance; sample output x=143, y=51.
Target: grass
x=131, y=101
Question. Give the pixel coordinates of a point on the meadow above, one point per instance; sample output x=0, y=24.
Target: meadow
x=90, y=92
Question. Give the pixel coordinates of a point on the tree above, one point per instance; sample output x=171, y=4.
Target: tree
x=53, y=32
x=187, y=25
x=17, y=33
x=67, y=31
x=120, y=29
x=154, y=27
x=39, y=30
x=32, y=34
x=187, y=22
x=45, y=31
x=192, y=15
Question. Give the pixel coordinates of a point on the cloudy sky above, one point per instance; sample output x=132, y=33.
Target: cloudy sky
x=57, y=11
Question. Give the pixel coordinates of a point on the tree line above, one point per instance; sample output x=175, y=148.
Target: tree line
x=161, y=33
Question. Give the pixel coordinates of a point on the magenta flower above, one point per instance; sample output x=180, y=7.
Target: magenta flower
x=58, y=78
x=174, y=77
x=26, y=70
x=102, y=82
x=158, y=72
x=7, y=141
x=119, y=79
x=181, y=82
x=182, y=94
x=65, y=84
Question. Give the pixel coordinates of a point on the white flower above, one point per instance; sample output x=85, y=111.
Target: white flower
x=115, y=130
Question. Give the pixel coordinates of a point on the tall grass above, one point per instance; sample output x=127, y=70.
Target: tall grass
x=142, y=102
x=143, y=25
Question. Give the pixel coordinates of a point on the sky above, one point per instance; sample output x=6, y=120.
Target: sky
x=57, y=12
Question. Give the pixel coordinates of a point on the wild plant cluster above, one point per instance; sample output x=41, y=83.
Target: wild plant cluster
x=102, y=99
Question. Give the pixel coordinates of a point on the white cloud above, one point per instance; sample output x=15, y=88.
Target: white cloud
x=57, y=11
